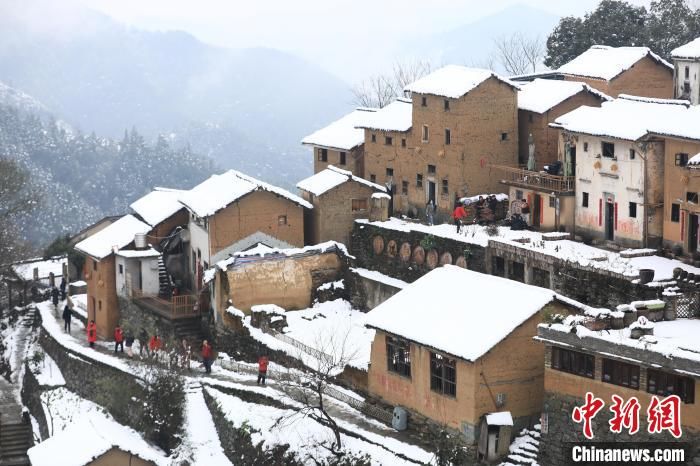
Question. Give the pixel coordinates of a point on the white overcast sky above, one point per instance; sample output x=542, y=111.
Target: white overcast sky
x=331, y=33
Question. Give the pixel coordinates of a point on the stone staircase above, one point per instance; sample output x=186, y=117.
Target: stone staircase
x=165, y=288
x=15, y=440
x=190, y=330
x=524, y=449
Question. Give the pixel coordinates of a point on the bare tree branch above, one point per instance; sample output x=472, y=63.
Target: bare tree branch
x=519, y=54
x=380, y=90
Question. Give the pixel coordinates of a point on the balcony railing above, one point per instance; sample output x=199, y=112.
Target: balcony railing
x=539, y=181
x=178, y=307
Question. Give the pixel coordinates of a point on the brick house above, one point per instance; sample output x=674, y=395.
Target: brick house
x=438, y=145
x=542, y=101
x=233, y=212
x=686, y=71
x=456, y=345
x=100, y=269
x=630, y=156
x=341, y=143
x=681, y=191
x=610, y=362
x=339, y=198
x=622, y=70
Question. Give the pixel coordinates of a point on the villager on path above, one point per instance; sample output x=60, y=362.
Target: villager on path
x=67, y=316
x=263, y=361
x=54, y=297
x=62, y=287
x=185, y=354
x=129, y=343
x=430, y=212
x=155, y=345
x=143, y=342
x=92, y=333
x=118, y=339
x=458, y=215
x=206, y=356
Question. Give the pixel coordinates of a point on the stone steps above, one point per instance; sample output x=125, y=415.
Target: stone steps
x=524, y=449
x=15, y=440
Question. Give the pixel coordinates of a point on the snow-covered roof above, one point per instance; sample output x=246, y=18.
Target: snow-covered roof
x=694, y=160
x=158, y=205
x=541, y=95
x=219, y=191
x=453, y=81
x=689, y=50
x=502, y=418
x=25, y=269
x=397, y=116
x=430, y=311
x=327, y=179
x=89, y=438
x=631, y=118
x=604, y=62
x=117, y=235
x=342, y=134
x=133, y=253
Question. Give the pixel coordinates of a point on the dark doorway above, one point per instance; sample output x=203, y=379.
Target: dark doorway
x=536, y=210
x=431, y=192
x=573, y=160
x=609, y=220
x=693, y=233
x=392, y=191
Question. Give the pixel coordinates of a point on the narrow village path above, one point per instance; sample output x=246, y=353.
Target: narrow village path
x=246, y=377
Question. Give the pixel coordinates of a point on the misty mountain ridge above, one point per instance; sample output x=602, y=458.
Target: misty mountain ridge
x=255, y=103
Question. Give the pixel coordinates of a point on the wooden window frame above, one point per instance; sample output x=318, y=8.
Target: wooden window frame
x=664, y=384
x=675, y=212
x=681, y=159
x=584, y=199
x=443, y=375
x=398, y=356
x=404, y=188
x=425, y=134
x=620, y=373
x=358, y=205
x=573, y=362
x=342, y=159
x=605, y=149
x=419, y=180
x=448, y=136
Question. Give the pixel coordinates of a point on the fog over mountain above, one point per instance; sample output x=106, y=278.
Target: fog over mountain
x=99, y=75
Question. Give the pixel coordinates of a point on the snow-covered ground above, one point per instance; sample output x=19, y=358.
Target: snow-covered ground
x=81, y=430
x=332, y=327
x=524, y=448
x=304, y=435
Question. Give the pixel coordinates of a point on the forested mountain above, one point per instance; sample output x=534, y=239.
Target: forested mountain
x=82, y=178
x=99, y=75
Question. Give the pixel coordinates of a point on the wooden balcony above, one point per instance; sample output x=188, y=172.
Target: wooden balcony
x=538, y=181
x=178, y=307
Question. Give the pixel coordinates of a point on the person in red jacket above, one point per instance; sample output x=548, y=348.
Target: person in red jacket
x=206, y=356
x=458, y=214
x=263, y=361
x=155, y=345
x=118, y=339
x=92, y=333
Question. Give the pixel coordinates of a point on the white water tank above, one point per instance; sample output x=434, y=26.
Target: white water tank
x=140, y=240
x=400, y=419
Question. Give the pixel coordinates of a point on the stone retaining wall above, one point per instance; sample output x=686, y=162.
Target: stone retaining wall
x=31, y=393
x=410, y=255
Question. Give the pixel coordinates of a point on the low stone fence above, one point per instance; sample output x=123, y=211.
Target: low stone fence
x=408, y=255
